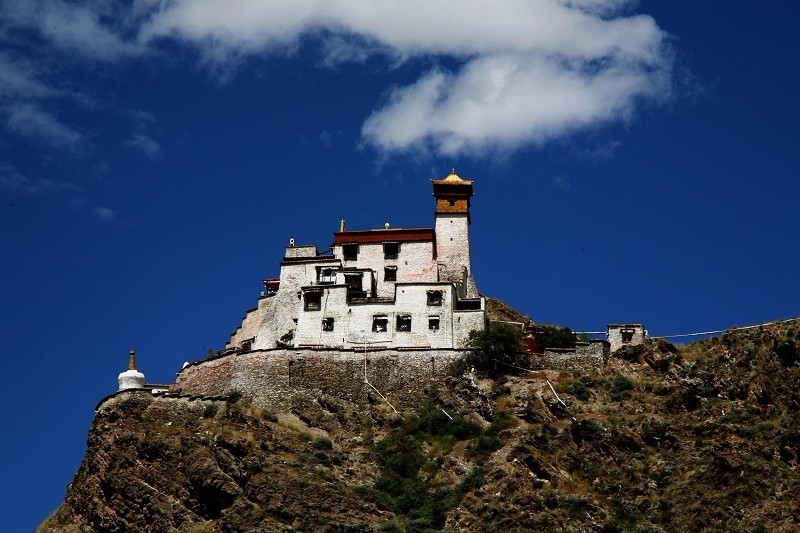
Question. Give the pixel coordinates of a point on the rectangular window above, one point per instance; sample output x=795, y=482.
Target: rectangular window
x=433, y=323
x=627, y=335
x=434, y=297
x=327, y=324
x=350, y=252
x=390, y=274
x=391, y=250
x=326, y=276
x=380, y=324
x=313, y=301
x=353, y=281
x=403, y=322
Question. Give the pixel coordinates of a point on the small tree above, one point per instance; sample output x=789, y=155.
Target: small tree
x=496, y=347
x=555, y=337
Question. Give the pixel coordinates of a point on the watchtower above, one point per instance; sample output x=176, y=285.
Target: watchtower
x=452, y=215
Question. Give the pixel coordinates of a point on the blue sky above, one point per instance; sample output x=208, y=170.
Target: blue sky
x=632, y=162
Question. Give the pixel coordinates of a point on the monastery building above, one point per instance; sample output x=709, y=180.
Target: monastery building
x=380, y=288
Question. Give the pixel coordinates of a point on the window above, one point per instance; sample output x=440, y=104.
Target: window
x=434, y=297
x=403, y=322
x=326, y=276
x=627, y=334
x=353, y=281
x=433, y=323
x=391, y=250
x=390, y=274
x=327, y=324
x=452, y=203
x=313, y=301
x=380, y=324
x=350, y=252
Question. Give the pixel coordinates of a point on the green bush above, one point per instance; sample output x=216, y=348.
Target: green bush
x=322, y=443
x=621, y=388
x=555, y=337
x=269, y=415
x=496, y=347
x=210, y=411
x=233, y=395
x=432, y=420
x=580, y=390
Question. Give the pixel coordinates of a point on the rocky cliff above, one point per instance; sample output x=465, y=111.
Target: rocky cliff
x=661, y=439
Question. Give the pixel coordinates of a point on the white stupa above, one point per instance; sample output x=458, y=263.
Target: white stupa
x=131, y=378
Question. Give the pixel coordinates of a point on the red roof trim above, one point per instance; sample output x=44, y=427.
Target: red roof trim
x=384, y=235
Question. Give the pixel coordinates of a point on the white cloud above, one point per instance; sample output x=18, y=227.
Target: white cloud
x=530, y=71
x=143, y=143
x=30, y=120
x=105, y=214
x=82, y=204
x=520, y=71
x=11, y=180
x=23, y=92
x=75, y=28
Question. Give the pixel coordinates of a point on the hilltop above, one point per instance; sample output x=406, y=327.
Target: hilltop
x=662, y=438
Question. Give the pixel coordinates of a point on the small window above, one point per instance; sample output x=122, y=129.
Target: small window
x=434, y=297
x=404, y=323
x=627, y=335
x=390, y=274
x=380, y=324
x=433, y=323
x=326, y=276
x=350, y=252
x=391, y=250
x=452, y=203
x=354, y=281
x=327, y=324
x=313, y=301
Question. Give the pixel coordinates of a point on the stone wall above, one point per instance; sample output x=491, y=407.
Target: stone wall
x=251, y=323
x=276, y=378
x=585, y=356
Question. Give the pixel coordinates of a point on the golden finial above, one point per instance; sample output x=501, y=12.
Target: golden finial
x=132, y=362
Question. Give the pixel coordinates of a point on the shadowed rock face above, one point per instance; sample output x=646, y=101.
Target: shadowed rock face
x=698, y=437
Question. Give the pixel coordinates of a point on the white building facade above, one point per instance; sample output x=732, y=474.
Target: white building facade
x=390, y=287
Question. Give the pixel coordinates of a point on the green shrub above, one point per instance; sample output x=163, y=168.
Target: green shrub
x=580, y=390
x=391, y=526
x=555, y=337
x=473, y=480
x=233, y=395
x=210, y=411
x=266, y=414
x=621, y=388
x=322, y=443
x=496, y=347
x=432, y=420
x=322, y=457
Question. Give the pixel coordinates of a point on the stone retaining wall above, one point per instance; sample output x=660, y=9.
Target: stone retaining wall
x=279, y=377
x=276, y=378
x=585, y=356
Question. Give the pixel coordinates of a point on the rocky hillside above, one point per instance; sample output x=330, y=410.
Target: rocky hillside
x=661, y=439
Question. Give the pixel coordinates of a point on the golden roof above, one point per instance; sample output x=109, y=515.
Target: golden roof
x=453, y=178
